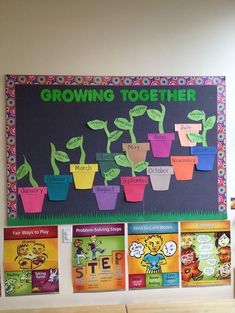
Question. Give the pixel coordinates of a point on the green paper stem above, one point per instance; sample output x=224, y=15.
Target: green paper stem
x=160, y=124
x=53, y=163
x=82, y=159
x=131, y=130
x=26, y=169
x=31, y=178
x=108, y=149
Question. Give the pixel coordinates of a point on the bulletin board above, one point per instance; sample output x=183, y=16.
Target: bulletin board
x=97, y=135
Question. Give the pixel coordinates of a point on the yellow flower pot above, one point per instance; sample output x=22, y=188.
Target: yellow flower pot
x=83, y=175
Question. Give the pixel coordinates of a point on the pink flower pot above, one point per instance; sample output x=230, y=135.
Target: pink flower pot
x=183, y=131
x=134, y=187
x=32, y=198
x=161, y=144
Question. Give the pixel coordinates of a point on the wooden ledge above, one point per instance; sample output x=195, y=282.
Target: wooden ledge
x=199, y=306
x=119, y=308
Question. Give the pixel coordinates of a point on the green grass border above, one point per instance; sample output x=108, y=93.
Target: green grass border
x=112, y=218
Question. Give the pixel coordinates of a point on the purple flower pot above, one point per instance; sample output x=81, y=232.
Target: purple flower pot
x=106, y=196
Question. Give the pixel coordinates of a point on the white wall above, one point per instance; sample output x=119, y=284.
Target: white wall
x=110, y=37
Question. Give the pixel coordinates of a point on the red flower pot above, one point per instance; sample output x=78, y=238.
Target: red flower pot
x=134, y=187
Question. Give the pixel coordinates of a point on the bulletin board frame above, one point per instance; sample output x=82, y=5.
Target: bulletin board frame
x=20, y=89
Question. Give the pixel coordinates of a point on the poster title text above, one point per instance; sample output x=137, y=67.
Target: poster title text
x=125, y=95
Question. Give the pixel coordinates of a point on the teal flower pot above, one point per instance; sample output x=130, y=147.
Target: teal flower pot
x=57, y=186
x=106, y=162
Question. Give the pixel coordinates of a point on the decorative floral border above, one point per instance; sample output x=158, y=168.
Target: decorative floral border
x=12, y=80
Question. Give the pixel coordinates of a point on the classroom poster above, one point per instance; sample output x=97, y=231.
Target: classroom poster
x=98, y=257
x=107, y=149
x=205, y=253
x=153, y=256
x=30, y=260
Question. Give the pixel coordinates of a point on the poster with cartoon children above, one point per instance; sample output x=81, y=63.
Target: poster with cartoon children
x=153, y=258
x=98, y=257
x=30, y=260
x=205, y=253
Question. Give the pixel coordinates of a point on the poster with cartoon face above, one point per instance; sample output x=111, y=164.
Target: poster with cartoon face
x=98, y=257
x=205, y=253
x=153, y=258
x=30, y=260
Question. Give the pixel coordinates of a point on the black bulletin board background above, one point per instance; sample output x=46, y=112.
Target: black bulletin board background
x=38, y=123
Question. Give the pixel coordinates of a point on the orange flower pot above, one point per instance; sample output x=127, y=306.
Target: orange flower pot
x=183, y=166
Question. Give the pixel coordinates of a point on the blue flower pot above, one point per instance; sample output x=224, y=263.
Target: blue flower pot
x=206, y=157
x=57, y=186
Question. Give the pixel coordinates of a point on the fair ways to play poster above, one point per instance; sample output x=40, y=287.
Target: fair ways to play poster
x=205, y=253
x=108, y=149
x=153, y=255
x=30, y=260
x=98, y=257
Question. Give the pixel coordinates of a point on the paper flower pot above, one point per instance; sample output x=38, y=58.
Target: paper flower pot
x=206, y=157
x=106, y=162
x=183, y=166
x=136, y=151
x=183, y=131
x=32, y=198
x=58, y=186
x=106, y=197
x=161, y=144
x=134, y=187
x=83, y=175
x=160, y=177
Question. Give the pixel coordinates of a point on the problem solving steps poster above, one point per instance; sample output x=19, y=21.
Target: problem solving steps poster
x=98, y=257
x=109, y=149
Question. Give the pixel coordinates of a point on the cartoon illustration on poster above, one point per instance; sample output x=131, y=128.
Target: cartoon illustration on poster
x=115, y=149
x=98, y=257
x=153, y=257
x=205, y=253
x=30, y=260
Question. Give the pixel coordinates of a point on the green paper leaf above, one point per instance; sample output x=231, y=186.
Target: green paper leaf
x=155, y=115
x=122, y=123
x=96, y=124
x=61, y=156
x=74, y=142
x=112, y=173
x=22, y=171
x=195, y=137
x=138, y=110
x=122, y=160
x=139, y=167
x=114, y=135
x=210, y=122
x=196, y=115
